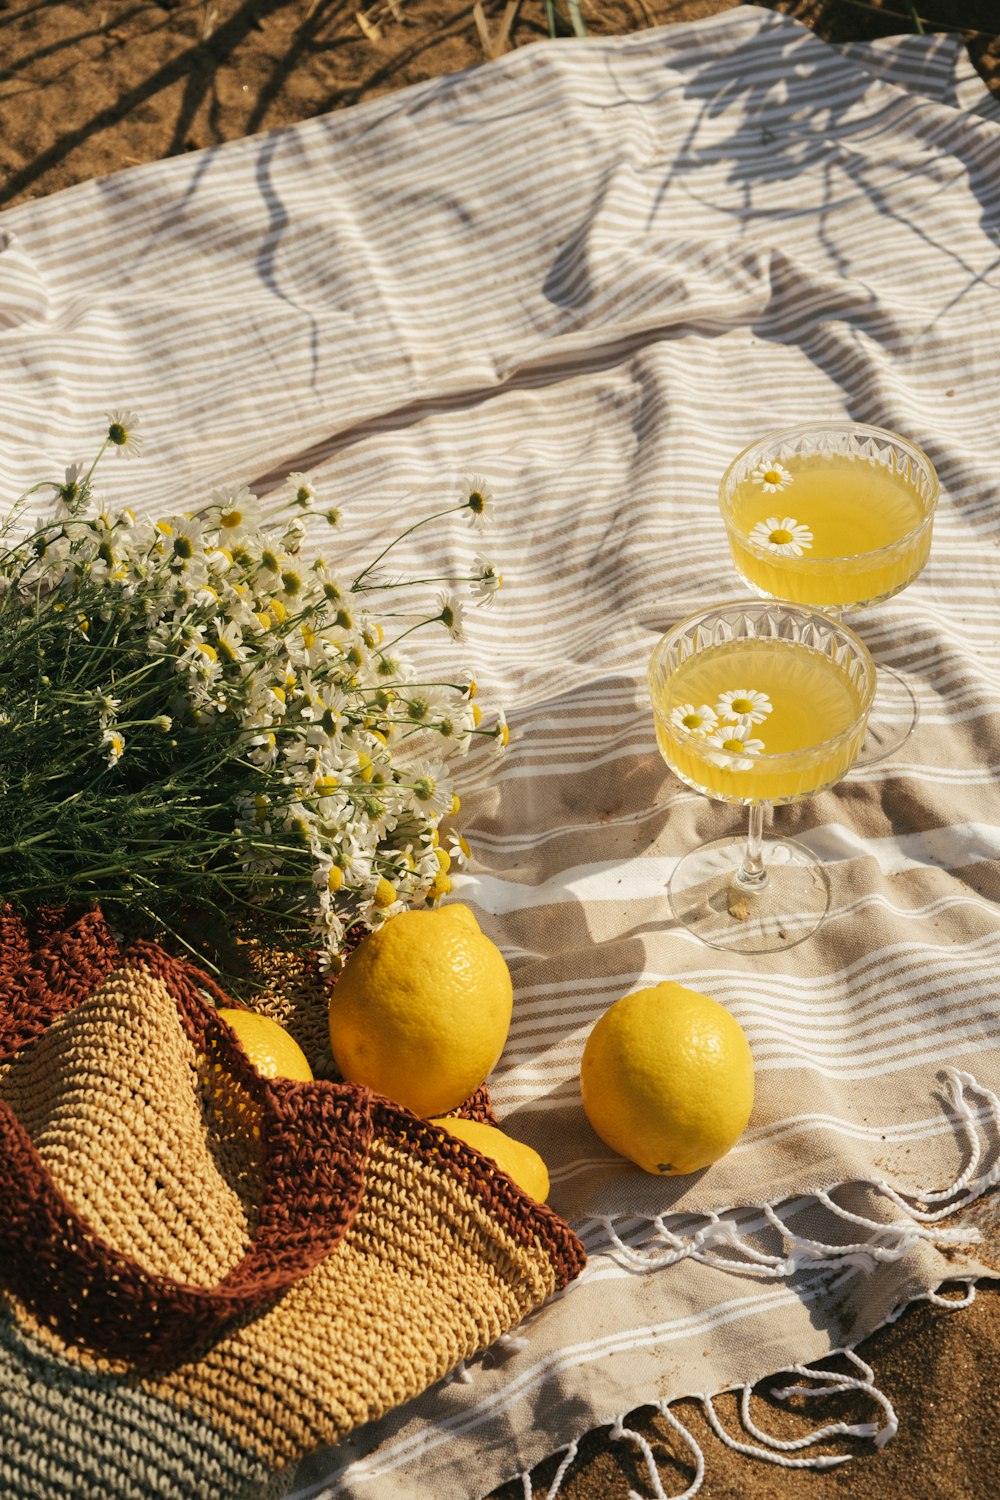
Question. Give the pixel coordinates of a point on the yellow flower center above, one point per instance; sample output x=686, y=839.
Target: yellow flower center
x=780, y=537
x=772, y=476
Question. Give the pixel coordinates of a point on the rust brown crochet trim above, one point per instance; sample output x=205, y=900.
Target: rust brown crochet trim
x=479, y=1106
x=88, y=1292
x=48, y=964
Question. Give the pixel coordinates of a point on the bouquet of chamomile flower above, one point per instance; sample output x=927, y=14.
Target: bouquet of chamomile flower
x=197, y=721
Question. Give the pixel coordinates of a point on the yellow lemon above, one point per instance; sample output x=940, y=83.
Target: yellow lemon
x=513, y=1157
x=269, y=1047
x=422, y=1009
x=667, y=1079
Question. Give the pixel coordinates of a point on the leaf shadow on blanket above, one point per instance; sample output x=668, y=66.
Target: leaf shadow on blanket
x=775, y=231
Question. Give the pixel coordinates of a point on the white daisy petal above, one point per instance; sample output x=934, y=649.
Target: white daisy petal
x=122, y=434
x=787, y=537
x=744, y=704
x=693, y=720
x=478, y=498
x=771, y=476
x=732, y=748
x=451, y=616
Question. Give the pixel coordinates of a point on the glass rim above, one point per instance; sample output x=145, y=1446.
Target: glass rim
x=844, y=425
x=773, y=758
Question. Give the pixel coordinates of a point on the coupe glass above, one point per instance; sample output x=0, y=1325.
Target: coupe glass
x=835, y=516
x=757, y=704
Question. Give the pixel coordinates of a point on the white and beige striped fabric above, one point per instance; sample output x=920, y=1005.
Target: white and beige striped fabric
x=591, y=272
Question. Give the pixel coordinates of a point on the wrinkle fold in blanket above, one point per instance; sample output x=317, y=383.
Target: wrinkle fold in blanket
x=592, y=272
x=23, y=296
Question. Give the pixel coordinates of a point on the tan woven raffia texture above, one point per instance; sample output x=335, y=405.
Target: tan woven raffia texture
x=233, y=1271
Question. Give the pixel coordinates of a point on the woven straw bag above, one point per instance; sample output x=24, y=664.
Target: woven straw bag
x=204, y=1275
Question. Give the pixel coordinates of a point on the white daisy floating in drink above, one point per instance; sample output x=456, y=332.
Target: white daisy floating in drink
x=732, y=747
x=787, y=537
x=743, y=703
x=695, y=720
x=861, y=493
x=772, y=477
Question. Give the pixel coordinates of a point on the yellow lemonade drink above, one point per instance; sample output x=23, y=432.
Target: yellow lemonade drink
x=830, y=530
x=760, y=720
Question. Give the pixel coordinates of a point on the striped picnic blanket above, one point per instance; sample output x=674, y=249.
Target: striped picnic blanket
x=592, y=271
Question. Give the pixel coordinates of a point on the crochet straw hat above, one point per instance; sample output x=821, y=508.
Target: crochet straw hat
x=205, y=1274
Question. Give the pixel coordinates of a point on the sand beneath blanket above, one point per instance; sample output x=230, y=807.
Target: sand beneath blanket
x=94, y=87
x=939, y=1369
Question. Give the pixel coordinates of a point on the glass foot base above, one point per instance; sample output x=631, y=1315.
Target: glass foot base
x=706, y=898
x=893, y=717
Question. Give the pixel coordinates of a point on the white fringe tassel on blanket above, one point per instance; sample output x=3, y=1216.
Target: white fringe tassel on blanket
x=921, y=1216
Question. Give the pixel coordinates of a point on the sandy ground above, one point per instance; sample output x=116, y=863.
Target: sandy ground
x=940, y=1370
x=96, y=86
x=91, y=87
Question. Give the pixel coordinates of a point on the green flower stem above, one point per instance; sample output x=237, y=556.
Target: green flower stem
x=388, y=645
x=85, y=481
x=356, y=586
x=409, y=583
